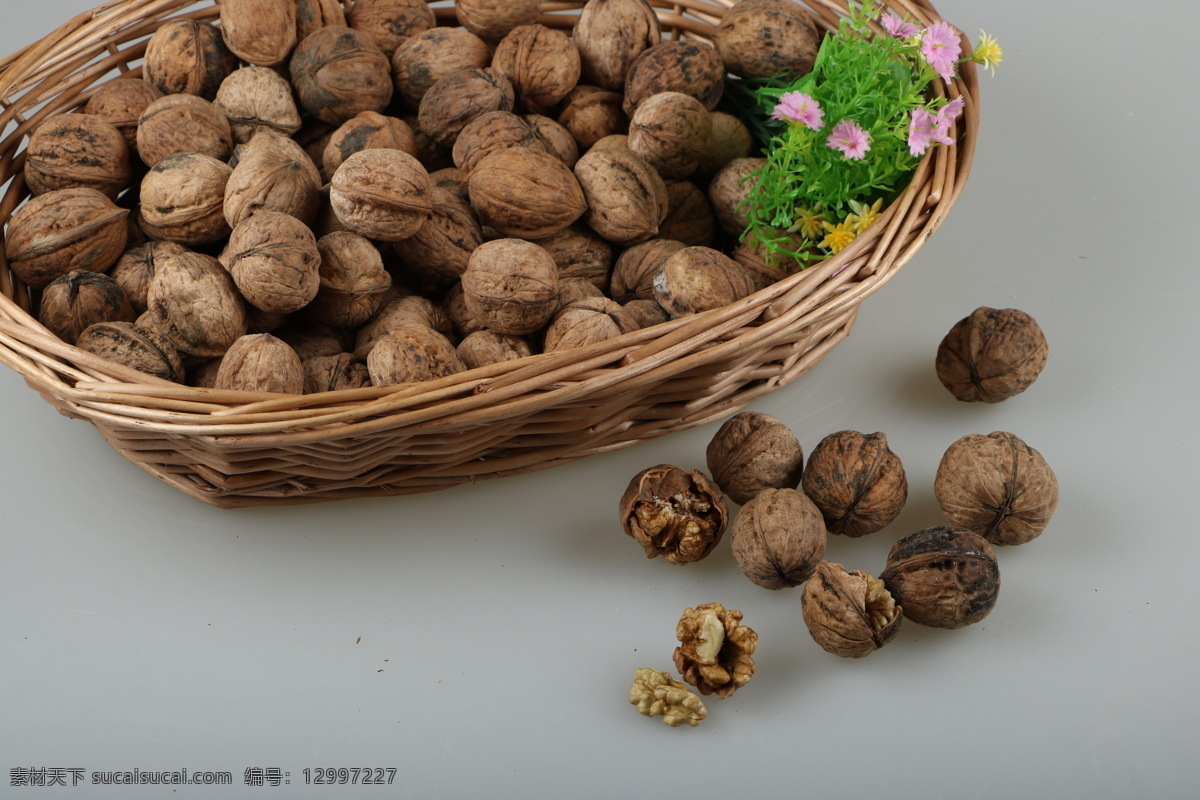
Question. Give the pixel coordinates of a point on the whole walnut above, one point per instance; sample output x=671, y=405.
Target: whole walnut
x=541, y=63
x=571, y=290
x=391, y=22
x=260, y=32
x=730, y=139
x=587, y=321
x=257, y=99
x=521, y=192
x=79, y=299
x=670, y=131
x=489, y=133
x=626, y=197
x=944, y=577
x=690, y=217
x=197, y=305
x=335, y=373
x=674, y=513
x=121, y=103
x=401, y=310
x=186, y=56
x=511, y=285
x=369, y=130
x=491, y=20
x=353, y=281
x=382, y=194
x=77, y=150
x=857, y=481
x=778, y=538
x=850, y=613
x=634, y=271
x=580, y=252
x=440, y=249
x=610, y=35
x=135, y=269
x=183, y=199
x=313, y=340
x=135, y=347
x=412, y=353
x=557, y=140
x=697, y=279
x=996, y=486
x=339, y=72
x=716, y=651
x=761, y=38
x=464, y=320
x=312, y=15
x=273, y=259
x=590, y=114
x=183, y=123
x=682, y=65
x=273, y=174
x=991, y=355
x=646, y=313
x=260, y=363
x=459, y=97
x=620, y=140
x=751, y=452
x=64, y=230
x=452, y=180
x=423, y=59
x=729, y=190
x=488, y=347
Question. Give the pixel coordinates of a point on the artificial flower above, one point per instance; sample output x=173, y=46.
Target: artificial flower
x=987, y=53
x=799, y=107
x=941, y=46
x=837, y=237
x=809, y=224
x=863, y=215
x=948, y=113
x=920, y=130
x=849, y=138
x=898, y=27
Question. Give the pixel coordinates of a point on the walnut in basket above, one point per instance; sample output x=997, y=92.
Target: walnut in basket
x=273, y=259
x=390, y=22
x=381, y=194
x=77, y=150
x=353, y=281
x=580, y=252
x=697, y=279
x=541, y=63
x=489, y=347
x=730, y=139
x=458, y=98
x=730, y=188
x=557, y=140
x=196, y=305
x=438, y=252
x=400, y=310
x=273, y=173
x=591, y=113
x=260, y=32
x=491, y=20
x=135, y=269
x=686, y=66
x=260, y=363
x=339, y=72
x=423, y=59
x=626, y=197
x=186, y=56
x=183, y=199
x=366, y=131
x=133, y=346
x=121, y=102
x=633, y=274
x=335, y=373
x=690, y=218
x=312, y=15
x=256, y=99
x=79, y=299
x=511, y=285
x=64, y=230
x=610, y=35
x=410, y=354
x=587, y=321
x=491, y=132
x=522, y=192
x=670, y=131
x=761, y=38
x=183, y=123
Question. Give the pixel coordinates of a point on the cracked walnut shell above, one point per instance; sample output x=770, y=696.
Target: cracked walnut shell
x=778, y=538
x=752, y=452
x=674, y=513
x=992, y=355
x=945, y=577
x=657, y=694
x=857, y=481
x=850, y=614
x=715, y=653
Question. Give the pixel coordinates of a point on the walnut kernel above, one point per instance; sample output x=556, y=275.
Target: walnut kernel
x=674, y=513
x=716, y=651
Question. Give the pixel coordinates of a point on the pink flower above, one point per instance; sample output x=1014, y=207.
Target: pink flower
x=799, y=107
x=849, y=137
x=898, y=27
x=941, y=45
x=920, y=131
x=950, y=112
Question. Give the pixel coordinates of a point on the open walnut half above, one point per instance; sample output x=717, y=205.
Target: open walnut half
x=715, y=651
x=849, y=613
x=674, y=513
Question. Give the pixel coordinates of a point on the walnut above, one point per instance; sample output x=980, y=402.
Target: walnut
x=610, y=35
x=381, y=194
x=135, y=269
x=626, y=198
x=633, y=274
x=991, y=355
x=579, y=252
x=312, y=340
x=646, y=313
x=390, y=23
x=260, y=32
x=121, y=103
x=353, y=281
x=412, y=353
x=752, y=452
x=452, y=180
x=79, y=299
x=571, y=290
x=397, y=311
x=134, y=346
x=185, y=56
x=273, y=259
x=257, y=99
x=729, y=190
x=944, y=577
x=657, y=694
x=429, y=56
x=339, y=72
x=586, y=322
x=182, y=199
x=996, y=486
x=524, y=193
x=590, y=114
x=64, y=230
x=273, y=174
x=850, y=614
x=620, y=140
x=690, y=217
x=77, y=150
x=491, y=20
x=761, y=38
x=682, y=65
x=312, y=15
x=204, y=374
x=440, y=250
x=778, y=538
x=335, y=373
x=459, y=97
x=197, y=305
x=541, y=63
x=730, y=139
x=488, y=347
x=670, y=131
x=367, y=131
x=697, y=279
x=557, y=140
x=489, y=133
x=674, y=513
x=260, y=363
x=511, y=285
x=183, y=123
x=464, y=320
x=716, y=651
x=857, y=481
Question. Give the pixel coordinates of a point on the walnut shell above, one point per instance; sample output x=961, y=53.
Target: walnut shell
x=339, y=72
x=412, y=353
x=850, y=614
x=488, y=347
x=762, y=38
x=312, y=15
x=541, y=63
x=626, y=198
x=369, y=130
x=682, y=65
x=260, y=32
x=381, y=194
x=440, y=250
x=579, y=252
x=730, y=139
x=778, y=538
x=77, y=150
x=335, y=373
x=587, y=321
x=273, y=259
x=992, y=355
x=390, y=22
x=524, y=193
x=183, y=123
x=459, y=97
x=464, y=320
x=716, y=652
x=186, y=56
x=135, y=269
x=646, y=313
x=571, y=290
x=313, y=340
x=353, y=281
x=489, y=133
x=751, y=452
x=697, y=279
x=634, y=271
x=998, y=487
x=134, y=346
x=590, y=114
x=260, y=362
x=492, y=20
x=610, y=35
x=857, y=481
x=674, y=513
x=511, y=285
x=64, y=230
x=729, y=190
x=423, y=59
x=690, y=218
x=258, y=99
x=944, y=577
x=79, y=299
x=452, y=180
x=197, y=305
x=397, y=311
x=183, y=199
x=273, y=174
x=557, y=140
x=121, y=103
x=670, y=131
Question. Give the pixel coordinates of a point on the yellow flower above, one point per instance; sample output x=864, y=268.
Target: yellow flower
x=809, y=224
x=838, y=237
x=863, y=215
x=987, y=52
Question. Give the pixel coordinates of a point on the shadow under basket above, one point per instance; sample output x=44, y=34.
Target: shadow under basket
x=233, y=449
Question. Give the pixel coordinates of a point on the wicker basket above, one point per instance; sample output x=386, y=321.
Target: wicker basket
x=235, y=449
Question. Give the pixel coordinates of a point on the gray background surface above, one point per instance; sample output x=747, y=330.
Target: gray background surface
x=501, y=623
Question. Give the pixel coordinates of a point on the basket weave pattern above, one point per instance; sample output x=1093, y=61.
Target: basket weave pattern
x=236, y=448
